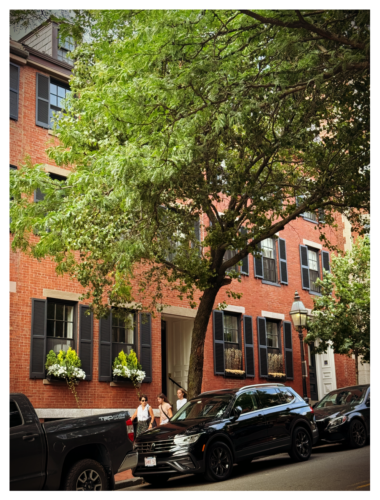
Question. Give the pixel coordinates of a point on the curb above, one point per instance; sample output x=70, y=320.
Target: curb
x=127, y=483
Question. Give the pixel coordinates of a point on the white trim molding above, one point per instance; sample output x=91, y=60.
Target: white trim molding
x=312, y=244
x=59, y=294
x=52, y=169
x=271, y=315
x=184, y=312
x=12, y=287
x=235, y=309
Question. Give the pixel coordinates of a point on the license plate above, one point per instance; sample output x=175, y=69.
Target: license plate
x=150, y=461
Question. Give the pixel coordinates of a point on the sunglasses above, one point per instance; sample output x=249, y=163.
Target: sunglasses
x=143, y=400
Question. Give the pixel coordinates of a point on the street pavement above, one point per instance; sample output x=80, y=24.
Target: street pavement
x=330, y=468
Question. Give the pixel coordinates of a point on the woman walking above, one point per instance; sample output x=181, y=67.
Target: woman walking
x=165, y=407
x=144, y=414
x=181, y=398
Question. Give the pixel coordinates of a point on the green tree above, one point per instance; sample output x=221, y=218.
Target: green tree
x=342, y=318
x=180, y=114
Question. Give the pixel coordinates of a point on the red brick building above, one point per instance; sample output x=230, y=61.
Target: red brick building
x=45, y=311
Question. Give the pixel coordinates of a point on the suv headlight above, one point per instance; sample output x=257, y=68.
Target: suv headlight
x=185, y=440
x=337, y=421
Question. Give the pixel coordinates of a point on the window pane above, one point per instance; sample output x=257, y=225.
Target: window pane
x=59, y=329
x=269, y=270
x=272, y=335
x=69, y=330
x=59, y=309
x=245, y=402
x=50, y=310
x=61, y=92
x=286, y=395
x=130, y=337
x=115, y=334
x=232, y=359
x=230, y=322
x=69, y=313
x=122, y=335
x=269, y=397
x=53, y=89
x=15, y=417
x=50, y=328
x=313, y=260
x=267, y=247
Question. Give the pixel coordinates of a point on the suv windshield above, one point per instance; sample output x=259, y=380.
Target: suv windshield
x=343, y=397
x=212, y=406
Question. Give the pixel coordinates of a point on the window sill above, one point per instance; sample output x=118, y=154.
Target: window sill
x=271, y=283
x=318, y=294
x=234, y=375
x=45, y=381
x=310, y=220
x=51, y=132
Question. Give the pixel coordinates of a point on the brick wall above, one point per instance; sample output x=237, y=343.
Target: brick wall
x=32, y=276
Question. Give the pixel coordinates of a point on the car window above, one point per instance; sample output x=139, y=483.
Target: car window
x=286, y=395
x=15, y=417
x=208, y=406
x=269, y=397
x=247, y=402
x=343, y=397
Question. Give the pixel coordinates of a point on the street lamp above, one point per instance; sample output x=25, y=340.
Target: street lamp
x=298, y=314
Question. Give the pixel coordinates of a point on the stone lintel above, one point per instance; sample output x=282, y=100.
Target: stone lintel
x=272, y=315
x=312, y=244
x=59, y=294
x=236, y=309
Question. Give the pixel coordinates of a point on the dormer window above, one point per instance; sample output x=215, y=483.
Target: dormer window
x=64, y=47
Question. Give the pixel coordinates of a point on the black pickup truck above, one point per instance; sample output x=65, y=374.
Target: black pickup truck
x=70, y=454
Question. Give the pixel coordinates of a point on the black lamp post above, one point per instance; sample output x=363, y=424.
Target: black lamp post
x=298, y=314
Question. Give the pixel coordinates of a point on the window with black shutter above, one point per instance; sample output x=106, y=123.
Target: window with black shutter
x=244, y=268
x=124, y=331
x=325, y=261
x=105, y=349
x=268, y=250
x=146, y=345
x=266, y=265
x=49, y=99
x=86, y=340
x=288, y=349
x=249, y=348
x=228, y=358
x=263, y=346
x=14, y=83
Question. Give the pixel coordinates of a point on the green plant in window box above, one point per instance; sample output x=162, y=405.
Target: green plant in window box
x=66, y=366
x=128, y=366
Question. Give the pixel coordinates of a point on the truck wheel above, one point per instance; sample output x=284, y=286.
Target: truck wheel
x=301, y=445
x=86, y=475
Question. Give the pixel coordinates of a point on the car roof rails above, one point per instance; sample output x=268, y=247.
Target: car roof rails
x=260, y=385
x=237, y=389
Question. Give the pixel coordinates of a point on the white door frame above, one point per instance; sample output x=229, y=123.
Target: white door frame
x=326, y=375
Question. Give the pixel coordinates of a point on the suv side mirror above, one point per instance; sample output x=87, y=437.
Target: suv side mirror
x=237, y=412
x=367, y=402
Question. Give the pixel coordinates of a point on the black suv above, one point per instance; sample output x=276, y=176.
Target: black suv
x=219, y=428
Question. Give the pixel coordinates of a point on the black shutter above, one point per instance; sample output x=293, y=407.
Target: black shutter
x=325, y=261
x=42, y=100
x=86, y=340
x=105, y=349
x=288, y=346
x=14, y=82
x=248, y=343
x=304, y=267
x=263, y=350
x=146, y=345
x=218, y=327
x=245, y=261
x=38, y=339
x=283, y=263
x=38, y=195
x=258, y=264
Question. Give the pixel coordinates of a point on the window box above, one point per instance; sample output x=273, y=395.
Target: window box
x=276, y=376
x=122, y=380
x=234, y=374
x=52, y=380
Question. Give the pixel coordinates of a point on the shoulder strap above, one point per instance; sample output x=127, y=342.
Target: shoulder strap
x=164, y=413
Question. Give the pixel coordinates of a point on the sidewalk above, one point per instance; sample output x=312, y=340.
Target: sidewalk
x=125, y=479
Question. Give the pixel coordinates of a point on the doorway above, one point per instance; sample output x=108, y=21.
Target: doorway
x=177, y=336
x=313, y=373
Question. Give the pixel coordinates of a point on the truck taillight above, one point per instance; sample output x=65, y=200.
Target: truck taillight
x=130, y=431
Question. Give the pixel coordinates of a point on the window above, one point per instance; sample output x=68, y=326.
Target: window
x=247, y=402
x=64, y=47
x=310, y=215
x=14, y=76
x=60, y=326
x=343, y=397
x=269, y=397
x=39, y=195
x=58, y=92
x=207, y=406
x=232, y=350
x=123, y=329
x=286, y=395
x=15, y=417
x=268, y=248
x=272, y=334
x=313, y=269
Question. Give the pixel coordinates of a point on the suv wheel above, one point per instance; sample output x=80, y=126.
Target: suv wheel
x=357, y=434
x=301, y=445
x=86, y=475
x=218, y=462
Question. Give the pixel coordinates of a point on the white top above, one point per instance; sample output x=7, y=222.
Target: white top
x=181, y=402
x=143, y=414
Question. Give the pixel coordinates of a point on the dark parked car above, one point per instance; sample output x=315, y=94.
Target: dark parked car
x=219, y=428
x=343, y=415
x=72, y=454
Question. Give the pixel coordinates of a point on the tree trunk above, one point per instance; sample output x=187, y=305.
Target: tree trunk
x=198, y=341
x=357, y=367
